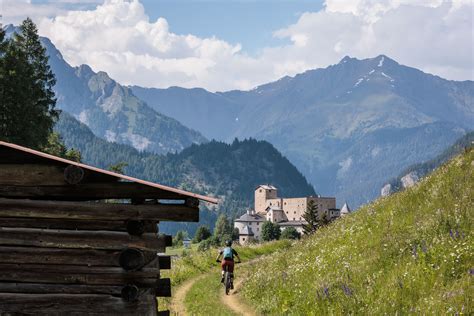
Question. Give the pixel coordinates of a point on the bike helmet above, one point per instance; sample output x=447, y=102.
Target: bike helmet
x=228, y=243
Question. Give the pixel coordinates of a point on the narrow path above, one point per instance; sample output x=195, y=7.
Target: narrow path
x=177, y=303
x=232, y=301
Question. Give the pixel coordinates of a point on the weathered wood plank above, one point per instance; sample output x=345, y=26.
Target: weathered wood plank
x=67, y=274
x=80, y=239
x=83, y=257
x=53, y=223
x=97, y=211
x=88, y=191
x=29, y=174
x=44, y=288
x=75, y=304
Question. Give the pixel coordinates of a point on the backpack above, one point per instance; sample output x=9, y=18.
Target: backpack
x=228, y=253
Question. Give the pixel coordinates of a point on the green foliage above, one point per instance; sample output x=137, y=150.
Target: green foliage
x=74, y=155
x=118, y=167
x=270, y=231
x=55, y=146
x=311, y=217
x=223, y=228
x=27, y=110
x=179, y=237
x=290, y=233
x=202, y=233
x=410, y=253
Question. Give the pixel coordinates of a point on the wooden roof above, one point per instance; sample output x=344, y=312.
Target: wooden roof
x=92, y=169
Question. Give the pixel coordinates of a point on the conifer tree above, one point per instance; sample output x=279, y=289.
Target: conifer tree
x=26, y=89
x=311, y=217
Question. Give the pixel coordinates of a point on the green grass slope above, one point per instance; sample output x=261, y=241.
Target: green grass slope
x=412, y=252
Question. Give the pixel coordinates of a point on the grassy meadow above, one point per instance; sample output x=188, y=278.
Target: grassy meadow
x=412, y=252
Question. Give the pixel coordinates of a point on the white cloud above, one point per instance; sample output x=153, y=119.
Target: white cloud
x=119, y=38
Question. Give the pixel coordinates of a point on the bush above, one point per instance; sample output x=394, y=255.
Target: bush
x=290, y=233
x=202, y=233
x=270, y=231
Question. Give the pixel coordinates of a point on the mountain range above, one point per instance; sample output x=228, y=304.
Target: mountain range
x=228, y=171
x=348, y=127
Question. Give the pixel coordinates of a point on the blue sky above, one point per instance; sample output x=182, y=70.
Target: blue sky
x=223, y=45
x=250, y=23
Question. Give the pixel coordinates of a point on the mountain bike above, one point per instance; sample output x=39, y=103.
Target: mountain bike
x=228, y=279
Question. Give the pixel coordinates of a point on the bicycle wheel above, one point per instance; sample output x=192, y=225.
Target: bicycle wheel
x=227, y=283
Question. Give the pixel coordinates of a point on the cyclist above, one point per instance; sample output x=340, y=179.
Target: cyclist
x=228, y=254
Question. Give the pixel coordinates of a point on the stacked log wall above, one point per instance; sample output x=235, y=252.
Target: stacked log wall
x=70, y=244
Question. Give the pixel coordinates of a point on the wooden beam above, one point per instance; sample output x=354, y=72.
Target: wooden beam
x=88, y=191
x=127, y=292
x=80, y=239
x=75, y=304
x=82, y=257
x=164, y=262
x=30, y=174
x=45, y=288
x=52, y=223
x=164, y=288
x=67, y=274
x=97, y=211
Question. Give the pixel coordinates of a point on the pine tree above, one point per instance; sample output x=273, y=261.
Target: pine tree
x=26, y=89
x=202, y=233
x=311, y=217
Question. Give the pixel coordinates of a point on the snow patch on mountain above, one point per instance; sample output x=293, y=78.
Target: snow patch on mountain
x=387, y=76
x=381, y=62
x=358, y=82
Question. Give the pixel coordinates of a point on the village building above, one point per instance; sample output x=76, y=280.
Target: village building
x=286, y=212
x=345, y=210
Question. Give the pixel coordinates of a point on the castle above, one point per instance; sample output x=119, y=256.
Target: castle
x=286, y=212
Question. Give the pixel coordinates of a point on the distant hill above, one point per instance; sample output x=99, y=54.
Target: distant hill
x=414, y=173
x=409, y=253
x=227, y=171
x=111, y=110
x=348, y=127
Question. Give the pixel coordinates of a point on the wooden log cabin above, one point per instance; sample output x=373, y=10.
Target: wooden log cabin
x=79, y=240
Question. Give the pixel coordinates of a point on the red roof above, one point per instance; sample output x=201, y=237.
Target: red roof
x=110, y=173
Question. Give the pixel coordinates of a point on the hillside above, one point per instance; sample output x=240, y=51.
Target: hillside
x=412, y=252
x=336, y=123
x=228, y=171
x=417, y=171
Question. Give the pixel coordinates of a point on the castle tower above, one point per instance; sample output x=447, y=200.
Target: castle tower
x=262, y=194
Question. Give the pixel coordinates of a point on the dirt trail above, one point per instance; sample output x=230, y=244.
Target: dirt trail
x=177, y=303
x=233, y=301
